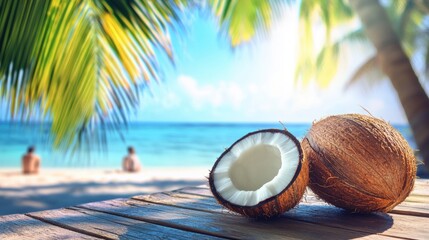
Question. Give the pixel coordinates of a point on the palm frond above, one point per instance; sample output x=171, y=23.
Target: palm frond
x=321, y=63
x=369, y=72
x=16, y=47
x=81, y=62
x=242, y=20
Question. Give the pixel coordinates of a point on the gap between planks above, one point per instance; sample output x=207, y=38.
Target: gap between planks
x=158, y=222
x=109, y=226
x=20, y=226
x=66, y=227
x=411, y=208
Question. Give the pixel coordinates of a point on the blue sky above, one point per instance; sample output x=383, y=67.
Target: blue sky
x=213, y=83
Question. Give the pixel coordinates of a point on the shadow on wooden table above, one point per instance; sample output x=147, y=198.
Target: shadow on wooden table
x=325, y=215
x=203, y=215
x=37, y=198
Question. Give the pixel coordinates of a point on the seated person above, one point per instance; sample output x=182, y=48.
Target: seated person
x=30, y=162
x=131, y=162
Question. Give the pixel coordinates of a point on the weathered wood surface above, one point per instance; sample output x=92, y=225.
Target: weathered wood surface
x=312, y=212
x=193, y=213
x=309, y=197
x=221, y=225
x=20, y=227
x=421, y=187
x=108, y=226
x=408, y=207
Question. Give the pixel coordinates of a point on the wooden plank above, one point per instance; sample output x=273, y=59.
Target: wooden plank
x=222, y=225
x=422, y=181
x=200, y=191
x=411, y=208
x=109, y=226
x=421, y=187
x=415, y=208
x=407, y=208
x=19, y=226
x=314, y=212
x=184, y=200
x=395, y=225
x=414, y=198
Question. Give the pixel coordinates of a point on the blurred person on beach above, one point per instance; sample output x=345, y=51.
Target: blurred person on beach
x=131, y=162
x=30, y=162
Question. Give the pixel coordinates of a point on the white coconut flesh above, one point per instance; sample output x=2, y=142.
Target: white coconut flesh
x=256, y=168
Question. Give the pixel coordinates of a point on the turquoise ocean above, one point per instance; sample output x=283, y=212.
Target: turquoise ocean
x=157, y=144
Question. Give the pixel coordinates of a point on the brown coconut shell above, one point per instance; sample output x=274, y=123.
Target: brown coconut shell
x=359, y=163
x=275, y=205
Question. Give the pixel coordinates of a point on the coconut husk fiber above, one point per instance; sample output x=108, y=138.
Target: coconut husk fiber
x=359, y=163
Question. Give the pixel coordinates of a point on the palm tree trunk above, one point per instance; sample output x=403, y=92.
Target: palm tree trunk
x=397, y=66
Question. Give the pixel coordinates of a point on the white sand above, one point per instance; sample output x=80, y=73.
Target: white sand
x=55, y=188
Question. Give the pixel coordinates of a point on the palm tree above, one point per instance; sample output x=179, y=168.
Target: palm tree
x=241, y=24
x=80, y=63
x=395, y=63
x=390, y=58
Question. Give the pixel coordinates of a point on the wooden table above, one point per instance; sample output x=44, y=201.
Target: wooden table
x=193, y=213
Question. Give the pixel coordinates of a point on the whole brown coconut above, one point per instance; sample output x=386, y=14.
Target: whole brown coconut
x=263, y=174
x=359, y=163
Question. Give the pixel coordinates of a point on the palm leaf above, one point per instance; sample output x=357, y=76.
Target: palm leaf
x=321, y=63
x=369, y=72
x=16, y=46
x=80, y=63
x=242, y=20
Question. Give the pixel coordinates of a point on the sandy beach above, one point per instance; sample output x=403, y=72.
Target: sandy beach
x=56, y=188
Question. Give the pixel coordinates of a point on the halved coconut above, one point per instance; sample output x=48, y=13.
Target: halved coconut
x=263, y=174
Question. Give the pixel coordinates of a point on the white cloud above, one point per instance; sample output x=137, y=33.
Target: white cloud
x=211, y=95
x=160, y=96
